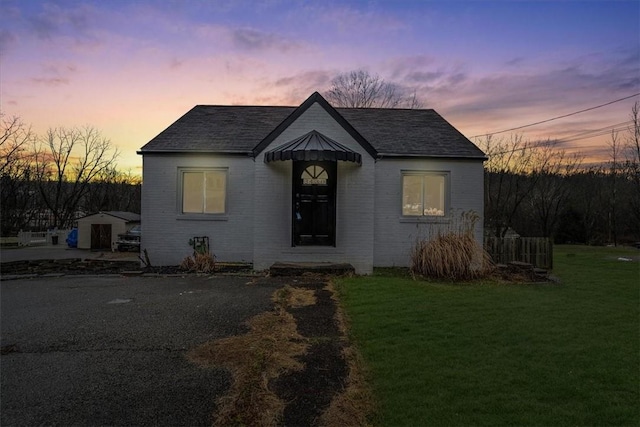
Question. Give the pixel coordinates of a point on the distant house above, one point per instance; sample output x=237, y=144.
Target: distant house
x=100, y=230
x=311, y=183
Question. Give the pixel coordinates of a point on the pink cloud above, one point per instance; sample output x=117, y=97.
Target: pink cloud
x=50, y=81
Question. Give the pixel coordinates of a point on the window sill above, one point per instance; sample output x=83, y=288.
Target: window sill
x=425, y=219
x=202, y=217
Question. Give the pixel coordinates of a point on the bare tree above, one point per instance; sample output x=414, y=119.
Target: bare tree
x=113, y=190
x=633, y=139
x=508, y=180
x=15, y=140
x=360, y=89
x=67, y=160
x=615, y=146
x=16, y=173
x=632, y=165
x=547, y=199
x=588, y=198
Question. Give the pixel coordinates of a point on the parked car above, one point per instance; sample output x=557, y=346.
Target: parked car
x=130, y=241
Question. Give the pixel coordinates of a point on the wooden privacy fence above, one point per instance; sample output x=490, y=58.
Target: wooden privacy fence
x=534, y=250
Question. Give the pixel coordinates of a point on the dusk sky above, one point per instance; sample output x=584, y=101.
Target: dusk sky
x=131, y=68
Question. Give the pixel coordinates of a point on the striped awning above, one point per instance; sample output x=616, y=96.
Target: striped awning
x=312, y=146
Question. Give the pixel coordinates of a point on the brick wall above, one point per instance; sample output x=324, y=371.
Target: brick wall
x=395, y=235
x=354, y=202
x=166, y=233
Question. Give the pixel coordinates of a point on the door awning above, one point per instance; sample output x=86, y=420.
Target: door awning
x=312, y=146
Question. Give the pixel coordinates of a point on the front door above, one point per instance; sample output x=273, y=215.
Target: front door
x=314, y=203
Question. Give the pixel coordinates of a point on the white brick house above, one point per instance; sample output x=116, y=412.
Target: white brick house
x=305, y=184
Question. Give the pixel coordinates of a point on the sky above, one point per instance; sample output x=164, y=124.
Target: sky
x=131, y=68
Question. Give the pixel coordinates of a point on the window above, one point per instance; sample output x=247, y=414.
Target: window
x=314, y=175
x=424, y=194
x=203, y=191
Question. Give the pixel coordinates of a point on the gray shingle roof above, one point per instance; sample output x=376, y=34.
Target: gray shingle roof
x=219, y=128
x=240, y=129
x=406, y=132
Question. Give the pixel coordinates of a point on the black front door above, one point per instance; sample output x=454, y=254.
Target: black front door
x=314, y=203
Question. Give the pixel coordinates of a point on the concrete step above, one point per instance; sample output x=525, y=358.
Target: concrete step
x=300, y=268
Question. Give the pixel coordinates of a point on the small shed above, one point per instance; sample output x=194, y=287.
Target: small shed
x=100, y=230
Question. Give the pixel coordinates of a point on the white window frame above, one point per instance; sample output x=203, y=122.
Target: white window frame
x=447, y=195
x=201, y=215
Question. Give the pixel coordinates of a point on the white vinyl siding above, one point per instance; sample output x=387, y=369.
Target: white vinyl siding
x=166, y=231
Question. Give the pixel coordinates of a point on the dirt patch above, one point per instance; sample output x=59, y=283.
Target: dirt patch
x=354, y=405
x=294, y=366
x=309, y=391
x=269, y=348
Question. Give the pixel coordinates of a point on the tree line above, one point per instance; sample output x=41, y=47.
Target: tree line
x=537, y=189
x=48, y=181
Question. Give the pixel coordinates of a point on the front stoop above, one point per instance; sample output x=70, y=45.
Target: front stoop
x=300, y=268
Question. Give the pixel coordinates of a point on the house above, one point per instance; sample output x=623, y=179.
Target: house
x=100, y=230
x=311, y=183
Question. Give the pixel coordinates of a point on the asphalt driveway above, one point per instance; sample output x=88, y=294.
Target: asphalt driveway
x=111, y=350
x=61, y=252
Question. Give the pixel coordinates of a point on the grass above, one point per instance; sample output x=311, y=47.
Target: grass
x=8, y=242
x=486, y=353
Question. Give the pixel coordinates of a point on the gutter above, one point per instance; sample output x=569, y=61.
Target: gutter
x=232, y=152
x=434, y=156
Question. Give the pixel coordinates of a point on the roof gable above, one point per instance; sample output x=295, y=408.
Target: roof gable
x=315, y=98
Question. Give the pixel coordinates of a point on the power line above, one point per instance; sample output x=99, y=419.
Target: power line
x=588, y=134
x=597, y=132
x=608, y=127
x=557, y=117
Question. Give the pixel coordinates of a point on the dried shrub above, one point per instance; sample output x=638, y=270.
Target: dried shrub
x=452, y=252
x=295, y=297
x=199, y=263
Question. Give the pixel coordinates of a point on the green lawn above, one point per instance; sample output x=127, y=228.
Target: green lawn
x=498, y=354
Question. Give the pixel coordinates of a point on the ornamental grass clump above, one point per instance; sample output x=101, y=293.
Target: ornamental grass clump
x=451, y=252
x=199, y=263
